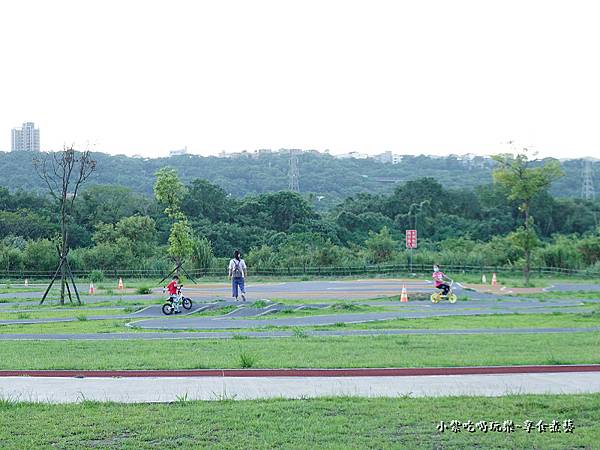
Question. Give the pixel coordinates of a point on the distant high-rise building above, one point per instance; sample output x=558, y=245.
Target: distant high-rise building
x=26, y=138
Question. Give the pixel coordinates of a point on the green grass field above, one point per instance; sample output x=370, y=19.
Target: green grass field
x=46, y=313
x=301, y=351
x=317, y=423
x=357, y=423
x=588, y=317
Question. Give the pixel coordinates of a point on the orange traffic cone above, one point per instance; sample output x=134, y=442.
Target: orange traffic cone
x=494, y=281
x=483, y=279
x=120, y=285
x=404, y=295
x=91, y=291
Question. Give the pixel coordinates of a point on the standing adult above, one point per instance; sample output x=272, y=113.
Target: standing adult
x=238, y=272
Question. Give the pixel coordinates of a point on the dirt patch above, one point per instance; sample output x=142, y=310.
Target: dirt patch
x=499, y=289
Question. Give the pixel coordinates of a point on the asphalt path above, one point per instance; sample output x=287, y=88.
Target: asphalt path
x=204, y=296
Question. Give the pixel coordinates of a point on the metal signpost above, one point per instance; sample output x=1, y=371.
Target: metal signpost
x=411, y=242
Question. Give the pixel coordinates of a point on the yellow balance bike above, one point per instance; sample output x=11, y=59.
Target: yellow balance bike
x=436, y=297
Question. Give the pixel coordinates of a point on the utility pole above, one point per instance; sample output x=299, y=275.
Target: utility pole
x=587, y=184
x=294, y=174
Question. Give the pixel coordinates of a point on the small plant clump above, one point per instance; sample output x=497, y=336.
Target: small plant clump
x=247, y=360
x=96, y=276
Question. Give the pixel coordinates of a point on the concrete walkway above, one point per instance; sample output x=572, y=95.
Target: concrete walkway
x=138, y=390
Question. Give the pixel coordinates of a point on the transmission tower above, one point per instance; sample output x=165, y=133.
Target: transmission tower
x=294, y=174
x=587, y=186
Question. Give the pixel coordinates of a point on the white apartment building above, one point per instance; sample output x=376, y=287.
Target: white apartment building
x=26, y=138
x=179, y=152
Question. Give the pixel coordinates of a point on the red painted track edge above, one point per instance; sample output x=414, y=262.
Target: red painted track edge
x=358, y=372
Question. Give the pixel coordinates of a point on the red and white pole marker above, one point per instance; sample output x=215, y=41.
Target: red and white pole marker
x=404, y=295
x=494, y=280
x=120, y=285
x=91, y=291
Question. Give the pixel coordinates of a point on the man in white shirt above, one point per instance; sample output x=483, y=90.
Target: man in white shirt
x=238, y=272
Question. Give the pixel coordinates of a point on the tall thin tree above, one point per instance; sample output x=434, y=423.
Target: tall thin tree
x=524, y=182
x=64, y=172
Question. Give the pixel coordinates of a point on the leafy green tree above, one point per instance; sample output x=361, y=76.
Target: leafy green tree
x=590, y=248
x=524, y=182
x=40, y=255
x=169, y=191
x=285, y=208
x=26, y=223
x=109, y=204
x=141, y=231
x=136, y=234
x=181, y=241
x=423, y=191
x=202, y=255
x=11, y=258
x=381, y=246
x=262, y=257
x=206, y=200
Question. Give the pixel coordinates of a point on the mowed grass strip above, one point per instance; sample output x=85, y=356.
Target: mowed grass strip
x=302, y=351
x=28, y=313
x=586, y=319
x=93, y=326
x=316, y=423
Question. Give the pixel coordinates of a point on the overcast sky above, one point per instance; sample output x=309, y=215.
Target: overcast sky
x=407, y=76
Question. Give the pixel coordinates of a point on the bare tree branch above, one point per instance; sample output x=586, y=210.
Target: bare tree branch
x=63, y=173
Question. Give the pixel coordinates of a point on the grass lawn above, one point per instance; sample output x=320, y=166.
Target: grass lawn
x=81, y=326
x=515, y=280
x=13, y=290
x=28, y=313
x=313, y=423
x=588, y=317
x=336, y=308
x=301, y=351
x=560, y=295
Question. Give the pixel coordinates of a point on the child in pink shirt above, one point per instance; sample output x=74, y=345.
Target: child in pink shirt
x=438, y=279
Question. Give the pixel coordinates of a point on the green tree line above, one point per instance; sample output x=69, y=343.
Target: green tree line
x=327, y=178
x=115, y=227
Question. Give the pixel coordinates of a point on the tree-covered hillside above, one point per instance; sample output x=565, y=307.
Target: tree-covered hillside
x=320, y=174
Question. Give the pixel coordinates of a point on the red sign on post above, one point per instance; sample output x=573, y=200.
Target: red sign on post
x=411, y=238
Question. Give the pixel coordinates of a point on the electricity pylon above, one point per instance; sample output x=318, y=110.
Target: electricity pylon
x=587, y=184
x=294, y=174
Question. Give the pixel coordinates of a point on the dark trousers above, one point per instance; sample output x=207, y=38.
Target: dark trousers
x=444, y=287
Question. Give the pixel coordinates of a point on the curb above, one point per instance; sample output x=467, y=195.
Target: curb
x=358, y=372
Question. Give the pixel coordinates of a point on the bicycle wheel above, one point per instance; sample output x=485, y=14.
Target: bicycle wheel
x=167, y=309
x=435, y=298
x=452, y=298
x=186, y=303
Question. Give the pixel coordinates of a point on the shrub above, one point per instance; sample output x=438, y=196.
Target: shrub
x=96, y=276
